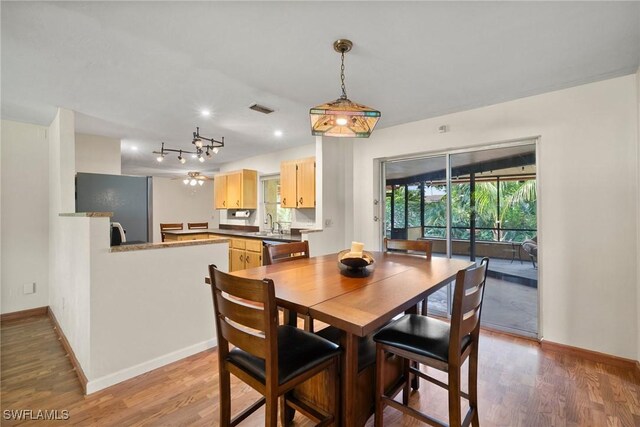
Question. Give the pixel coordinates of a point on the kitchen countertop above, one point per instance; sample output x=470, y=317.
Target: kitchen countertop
x=143, y=246
x=238, y=233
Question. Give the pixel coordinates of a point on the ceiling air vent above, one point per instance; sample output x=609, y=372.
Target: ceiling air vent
x=261, y=109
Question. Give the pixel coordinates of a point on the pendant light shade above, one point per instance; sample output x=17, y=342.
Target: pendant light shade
x=343, y=117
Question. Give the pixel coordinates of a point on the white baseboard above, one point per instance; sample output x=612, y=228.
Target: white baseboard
x=150, y=365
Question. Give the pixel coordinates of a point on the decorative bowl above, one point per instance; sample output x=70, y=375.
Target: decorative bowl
x=355, y=266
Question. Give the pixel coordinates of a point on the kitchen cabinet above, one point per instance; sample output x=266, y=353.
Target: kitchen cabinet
x=236, y=190
x=298, y=183
x=244, y=253
x=220, y=192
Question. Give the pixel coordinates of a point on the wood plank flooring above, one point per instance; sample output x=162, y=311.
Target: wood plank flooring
x=519, y=385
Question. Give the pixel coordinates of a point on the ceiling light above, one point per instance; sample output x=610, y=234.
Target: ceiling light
x=205, y=113
x=134, y=148
x=277, y=133
x=209, y=144
x=342, y=117
x=194, y=178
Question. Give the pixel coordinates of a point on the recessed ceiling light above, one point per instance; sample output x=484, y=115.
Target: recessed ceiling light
x=205, y=113
x=134, y=148
x=278, y=133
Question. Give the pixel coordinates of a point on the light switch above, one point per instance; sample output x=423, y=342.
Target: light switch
x=29, y=288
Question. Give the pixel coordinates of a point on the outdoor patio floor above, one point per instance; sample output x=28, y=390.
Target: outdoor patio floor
x=507, y=304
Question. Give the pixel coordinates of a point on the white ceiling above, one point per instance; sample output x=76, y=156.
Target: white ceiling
x=142, y=71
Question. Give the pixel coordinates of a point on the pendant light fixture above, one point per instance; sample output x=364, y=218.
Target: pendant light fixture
x=343, y=117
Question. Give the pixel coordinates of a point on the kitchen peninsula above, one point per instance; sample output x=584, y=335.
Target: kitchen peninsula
x=126, y=310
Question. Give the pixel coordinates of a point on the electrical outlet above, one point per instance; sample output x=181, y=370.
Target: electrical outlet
x=29, y=288
x=328, y=222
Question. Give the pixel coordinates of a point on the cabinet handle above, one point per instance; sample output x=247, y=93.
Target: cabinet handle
x=284, y=202
x=241, y=258
x=237, y=202
x=246, y=258
x=300, y=200
x=224, y=202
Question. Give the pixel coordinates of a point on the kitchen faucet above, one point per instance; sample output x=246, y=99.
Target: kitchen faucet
x=269, y=220
x=279, y=227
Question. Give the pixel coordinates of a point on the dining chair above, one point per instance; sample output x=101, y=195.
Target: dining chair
x=410, y=246
x=197, y=225
x=269, y=358
x=170, y=227
x=441, y=345
x=285, y=252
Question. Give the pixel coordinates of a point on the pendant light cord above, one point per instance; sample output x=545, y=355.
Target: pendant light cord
x=344, y=90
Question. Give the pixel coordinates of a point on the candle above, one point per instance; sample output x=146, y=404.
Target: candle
x=356, y=249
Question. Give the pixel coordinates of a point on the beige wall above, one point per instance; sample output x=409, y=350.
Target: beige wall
x=175, y=202
x=587, y=170
x=97, y=154
x=25, y=215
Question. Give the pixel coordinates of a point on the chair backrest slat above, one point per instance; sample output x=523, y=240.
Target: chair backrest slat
x=467, y=303
x=198, y=225
x=423, y=246
x=287, y=252
x=172, y=226
x=251, y=290
x=247, y=315
x=251, y=343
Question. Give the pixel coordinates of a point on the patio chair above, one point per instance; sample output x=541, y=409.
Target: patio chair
x=530, y=246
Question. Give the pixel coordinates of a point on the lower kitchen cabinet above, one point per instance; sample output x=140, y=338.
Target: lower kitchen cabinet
x=244, y=253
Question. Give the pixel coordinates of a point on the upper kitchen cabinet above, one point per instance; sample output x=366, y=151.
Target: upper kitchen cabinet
x=236, y=190
x=298, y=183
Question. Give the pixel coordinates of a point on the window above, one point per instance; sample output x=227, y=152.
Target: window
x=271, y=200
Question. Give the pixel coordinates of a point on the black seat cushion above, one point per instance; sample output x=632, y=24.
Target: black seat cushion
x=422, y=335
x=366, y=346
x=298, y=351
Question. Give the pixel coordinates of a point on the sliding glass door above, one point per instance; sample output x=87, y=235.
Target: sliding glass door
x=474, y=204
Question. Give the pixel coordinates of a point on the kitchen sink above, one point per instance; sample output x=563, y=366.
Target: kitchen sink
x=267, y=234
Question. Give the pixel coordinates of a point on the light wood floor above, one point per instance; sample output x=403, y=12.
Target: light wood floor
x=519, y=385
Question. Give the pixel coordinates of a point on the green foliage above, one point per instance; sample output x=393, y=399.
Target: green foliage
x=517, y=210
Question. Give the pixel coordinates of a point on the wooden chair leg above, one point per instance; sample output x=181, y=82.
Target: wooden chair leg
x=455, y=417
x=225, y=397
x=407, y=380
x=415, y=381
x=287, y=413
x=308, y=323
x=271, y=411
x=336, y=392
x=473, y=386
x=379, y=422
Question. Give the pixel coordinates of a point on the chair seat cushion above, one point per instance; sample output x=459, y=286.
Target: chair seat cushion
x=366, y=346
x=298, y=351
x=418, y=334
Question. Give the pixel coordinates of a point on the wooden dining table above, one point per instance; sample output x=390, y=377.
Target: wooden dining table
x=357, y=306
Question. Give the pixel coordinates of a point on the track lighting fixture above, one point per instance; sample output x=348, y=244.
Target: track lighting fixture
x=204, y=147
